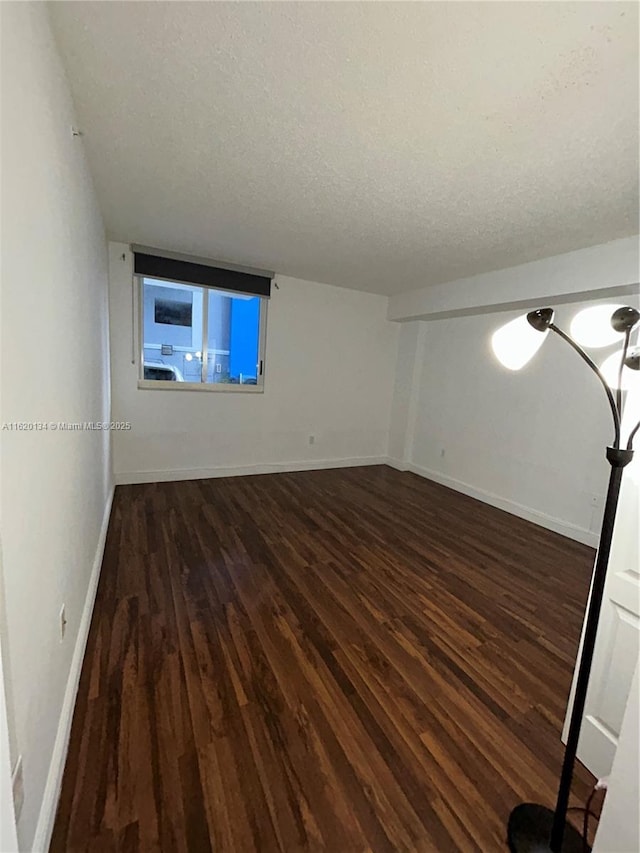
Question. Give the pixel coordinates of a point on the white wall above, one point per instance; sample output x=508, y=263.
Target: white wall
x=8, y=835
x=530, y=442
x=405, y=397
x=619, y=827
x=604, y=270
x=329, y=365
x=55, y=486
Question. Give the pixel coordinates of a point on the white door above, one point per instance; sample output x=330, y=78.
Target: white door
x=618, y=641
x=619, y=824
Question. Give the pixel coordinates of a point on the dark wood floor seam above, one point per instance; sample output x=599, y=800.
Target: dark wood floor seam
x=346, y=661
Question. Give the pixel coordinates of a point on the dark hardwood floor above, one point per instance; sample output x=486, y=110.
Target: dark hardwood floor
x=346, y=660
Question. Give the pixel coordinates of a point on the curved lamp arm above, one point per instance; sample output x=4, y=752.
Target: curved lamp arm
x=632, y=361
x=597, y=371
x=625, y=348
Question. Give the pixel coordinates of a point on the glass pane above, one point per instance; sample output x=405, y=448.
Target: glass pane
x=234, y=336
x=172, y=331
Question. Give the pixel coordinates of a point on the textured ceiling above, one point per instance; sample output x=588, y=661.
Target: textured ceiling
x=380, y=146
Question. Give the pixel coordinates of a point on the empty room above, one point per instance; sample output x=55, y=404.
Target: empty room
x=320, y=427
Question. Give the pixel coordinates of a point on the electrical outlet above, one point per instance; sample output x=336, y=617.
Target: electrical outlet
x=312, y=439
x=63, y=622
x=442, y=453
x=17, y=782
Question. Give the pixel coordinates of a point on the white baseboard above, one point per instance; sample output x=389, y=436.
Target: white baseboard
x=166, y=476
x=558, y=525
x=47, y=816
x=48, y=809
x=398, y=464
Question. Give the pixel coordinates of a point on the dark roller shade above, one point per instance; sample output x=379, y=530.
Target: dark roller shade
x=189, y=272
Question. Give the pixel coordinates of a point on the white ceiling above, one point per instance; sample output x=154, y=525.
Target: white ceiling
x=380, y=146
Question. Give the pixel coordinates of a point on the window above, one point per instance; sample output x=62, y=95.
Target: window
x=197, y=335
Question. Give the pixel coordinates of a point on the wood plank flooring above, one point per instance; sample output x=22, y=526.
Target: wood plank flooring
x=345, y=660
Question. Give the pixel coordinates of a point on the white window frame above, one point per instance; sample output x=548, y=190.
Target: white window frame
x=220, y=387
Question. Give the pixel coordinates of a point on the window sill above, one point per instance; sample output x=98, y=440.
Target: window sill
x=160, y=385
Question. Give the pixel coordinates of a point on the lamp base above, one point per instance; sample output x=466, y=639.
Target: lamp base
x=529, y=831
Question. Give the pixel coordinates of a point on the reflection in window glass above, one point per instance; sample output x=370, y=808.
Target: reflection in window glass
x=234, y=335
x=175, y=325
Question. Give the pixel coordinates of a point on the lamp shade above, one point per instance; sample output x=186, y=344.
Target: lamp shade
x=515, y=343
x=630, y=374
x=592, y=327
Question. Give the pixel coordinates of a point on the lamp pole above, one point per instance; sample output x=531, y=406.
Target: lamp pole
x=532, y=828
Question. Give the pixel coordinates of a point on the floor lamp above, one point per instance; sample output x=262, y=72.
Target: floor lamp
x=533, y=828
